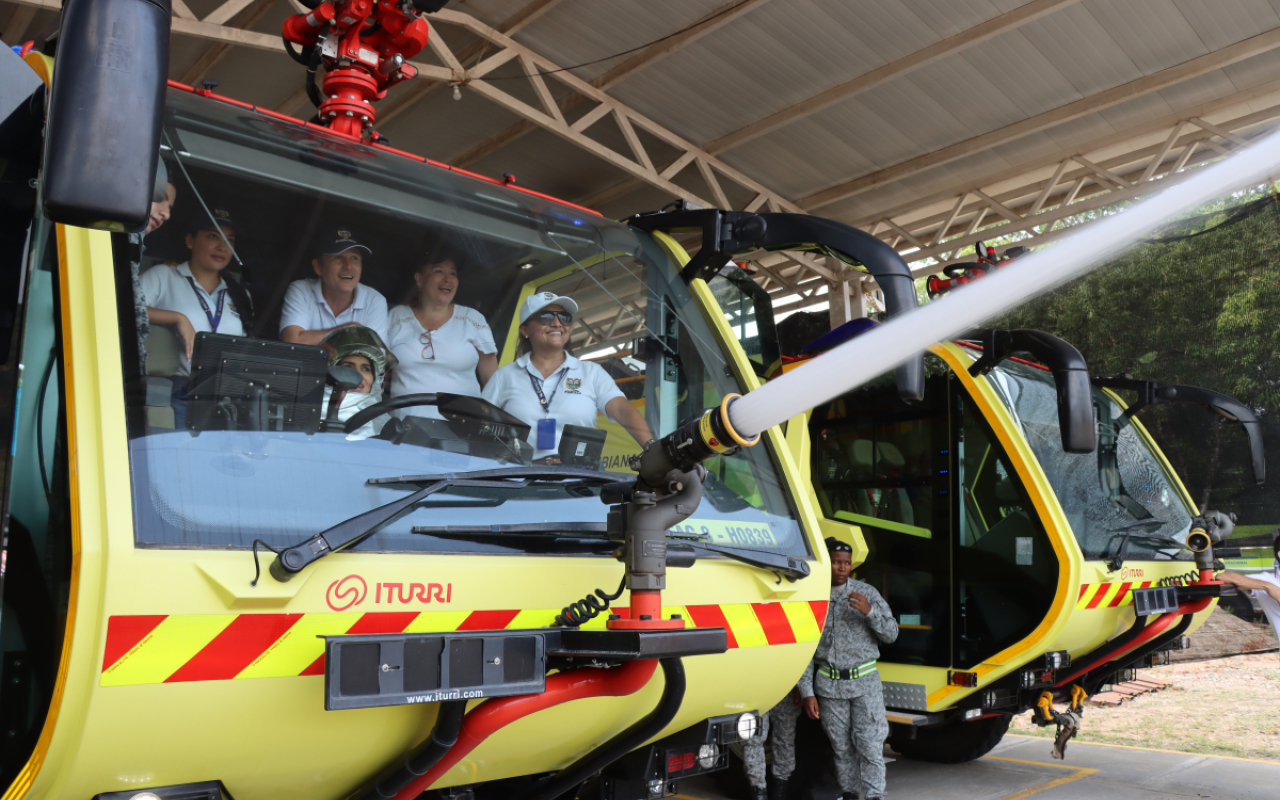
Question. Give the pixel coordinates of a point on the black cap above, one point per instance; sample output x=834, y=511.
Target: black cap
x=201, y=222
x=834, y=545
x=343, y=241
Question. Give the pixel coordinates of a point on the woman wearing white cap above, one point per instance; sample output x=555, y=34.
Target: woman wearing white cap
x=548, y=388
x=441, y=346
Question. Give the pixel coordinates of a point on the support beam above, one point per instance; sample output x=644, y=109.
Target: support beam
x=734, y=9
x=241, y=14
x=16, y=27
x=978, y=34
x=1071, y=111
x=407, y=97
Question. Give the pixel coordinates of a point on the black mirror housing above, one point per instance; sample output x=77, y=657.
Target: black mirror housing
x=1070, y=375
x=105, y=110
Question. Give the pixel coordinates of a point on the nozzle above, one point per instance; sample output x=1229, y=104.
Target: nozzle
x=691, y=443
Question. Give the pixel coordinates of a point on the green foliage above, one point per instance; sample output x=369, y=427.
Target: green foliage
x=1203, y=311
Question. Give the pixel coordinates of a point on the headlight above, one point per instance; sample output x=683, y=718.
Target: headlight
x=707, y=755
x=747, y=726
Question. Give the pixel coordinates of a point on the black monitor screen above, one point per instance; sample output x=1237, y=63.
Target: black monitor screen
x=238, y=383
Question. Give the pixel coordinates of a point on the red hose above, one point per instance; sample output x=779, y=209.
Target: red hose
x=489, y=717
x=1150, y=632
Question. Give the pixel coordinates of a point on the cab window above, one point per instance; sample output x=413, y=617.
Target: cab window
x=255, y=452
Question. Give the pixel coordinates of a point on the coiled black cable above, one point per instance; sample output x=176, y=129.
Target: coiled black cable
x=588, y=608
x=1185, y=579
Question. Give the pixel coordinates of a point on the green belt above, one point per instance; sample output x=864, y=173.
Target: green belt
x=859, y=671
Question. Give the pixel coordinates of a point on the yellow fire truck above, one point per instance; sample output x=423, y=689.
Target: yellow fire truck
x=438, y=609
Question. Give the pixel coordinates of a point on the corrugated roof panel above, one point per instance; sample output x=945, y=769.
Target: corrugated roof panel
x=957, y=85
x=1201, y=89
x=746, y=87
x=1153, y=33
x=949, y=17
x=1072, y=134
x=1027, y=149
x=577, y=32
x=1136, y=111
x=914, y=114
x=1223, y=22
x=1022, y=74
x=1082, y=49
x=785, y=160
x=1254, y=71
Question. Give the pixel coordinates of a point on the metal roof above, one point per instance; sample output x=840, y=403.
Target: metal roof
x=925, y=121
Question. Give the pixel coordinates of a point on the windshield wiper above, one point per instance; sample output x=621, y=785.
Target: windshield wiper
x=353, y=531
x=786, y=566
x=1130, y=530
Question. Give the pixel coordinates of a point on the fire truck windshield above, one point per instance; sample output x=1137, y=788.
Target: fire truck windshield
x=239, y=430
x=1098, y=520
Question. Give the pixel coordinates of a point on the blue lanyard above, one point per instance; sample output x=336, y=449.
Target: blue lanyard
x=537, y=387
x=213, y=318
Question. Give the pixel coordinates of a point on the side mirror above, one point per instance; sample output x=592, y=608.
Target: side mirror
x=105, y=110
x=1152, y=393
x=1070, y=374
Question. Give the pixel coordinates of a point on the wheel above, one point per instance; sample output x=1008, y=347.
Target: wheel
x=1237, y=605
x=953, y=742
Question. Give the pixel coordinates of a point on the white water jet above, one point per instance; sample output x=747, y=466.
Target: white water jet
x=880, y=350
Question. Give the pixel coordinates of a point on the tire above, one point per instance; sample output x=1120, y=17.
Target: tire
x=1237, y=605
x=953, y=742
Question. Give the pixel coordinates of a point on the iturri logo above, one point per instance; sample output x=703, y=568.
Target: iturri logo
x=346, y=592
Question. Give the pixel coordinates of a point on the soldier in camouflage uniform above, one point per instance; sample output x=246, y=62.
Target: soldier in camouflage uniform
x=849, y=702
x=781, y=719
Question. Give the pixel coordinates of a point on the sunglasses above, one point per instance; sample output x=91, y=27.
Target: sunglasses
x=546, y=317
x=428, y=348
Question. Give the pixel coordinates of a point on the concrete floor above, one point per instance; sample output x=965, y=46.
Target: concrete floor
x=1021, y=766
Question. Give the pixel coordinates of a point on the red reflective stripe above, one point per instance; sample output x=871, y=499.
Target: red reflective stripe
x=1084, y=587
x=712, y=617
x=487, y=620
x=373, y=622
x=819, y=608
x=247, y=637
x=125, y=632
x=1098, y=595
x=1120, y=595
x=777, y=628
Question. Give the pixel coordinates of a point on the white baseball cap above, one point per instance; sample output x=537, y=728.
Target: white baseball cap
x=537, y=302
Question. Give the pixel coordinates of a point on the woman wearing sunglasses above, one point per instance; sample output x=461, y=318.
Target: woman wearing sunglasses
x=548, y=388
x=441, y=346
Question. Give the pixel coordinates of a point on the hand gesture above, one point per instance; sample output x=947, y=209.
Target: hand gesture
x=859, y=603
x=810, y=706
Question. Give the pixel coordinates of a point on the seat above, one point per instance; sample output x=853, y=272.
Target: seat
x=163, y=359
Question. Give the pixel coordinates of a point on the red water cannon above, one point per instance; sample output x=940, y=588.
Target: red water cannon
x=364, y=46
x=958, y=275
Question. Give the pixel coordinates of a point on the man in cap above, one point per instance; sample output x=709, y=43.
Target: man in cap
x=849, y=701
x=335, y=297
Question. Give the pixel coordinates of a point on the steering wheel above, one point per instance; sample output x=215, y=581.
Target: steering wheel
x=377, y=409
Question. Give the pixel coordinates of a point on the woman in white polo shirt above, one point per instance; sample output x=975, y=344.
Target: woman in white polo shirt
x=197, y=296
x=441, y=346
x=548, y=388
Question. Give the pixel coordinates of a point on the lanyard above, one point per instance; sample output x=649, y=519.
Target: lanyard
x=537, y=387
x=213, y=318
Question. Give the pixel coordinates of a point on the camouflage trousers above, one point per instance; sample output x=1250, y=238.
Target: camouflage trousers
x=781, y=719
x=857, y=729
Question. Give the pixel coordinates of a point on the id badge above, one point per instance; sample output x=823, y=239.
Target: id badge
x=546, y=434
